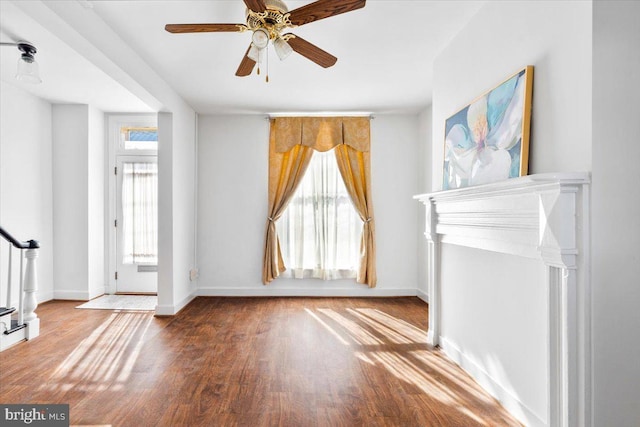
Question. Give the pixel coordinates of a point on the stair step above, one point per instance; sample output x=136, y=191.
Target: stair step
x=6, y=310
x=15, y=327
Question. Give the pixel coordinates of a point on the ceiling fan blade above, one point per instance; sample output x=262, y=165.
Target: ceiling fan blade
x=323, y=9
x=312, y=52
x=202, y=28
x=255, y=5
x=246, y=66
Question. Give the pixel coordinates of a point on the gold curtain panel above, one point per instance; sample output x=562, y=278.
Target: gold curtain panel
x=321, y=133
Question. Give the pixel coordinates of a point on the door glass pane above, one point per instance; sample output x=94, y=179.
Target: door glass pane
x=140, y=213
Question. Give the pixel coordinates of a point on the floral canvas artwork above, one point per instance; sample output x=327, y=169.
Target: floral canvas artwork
x=488, y=140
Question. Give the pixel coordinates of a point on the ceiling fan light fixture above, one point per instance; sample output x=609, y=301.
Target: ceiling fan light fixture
x=255, y=54
x=283, y=49
x=260, y=38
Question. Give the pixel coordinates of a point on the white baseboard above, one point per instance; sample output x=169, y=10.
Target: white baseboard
x=270, y=291
x=44, y=296
x=72, y=295
x=423, y=295
x=96, y=292
x=171, y=310
x=492, y=386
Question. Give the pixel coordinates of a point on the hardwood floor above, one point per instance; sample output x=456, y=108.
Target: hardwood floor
x=247, y=362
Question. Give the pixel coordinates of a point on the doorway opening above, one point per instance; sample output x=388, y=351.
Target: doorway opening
x=133, y=204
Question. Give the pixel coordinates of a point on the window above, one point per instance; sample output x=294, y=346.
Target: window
x=320, y=230
x=139, y=138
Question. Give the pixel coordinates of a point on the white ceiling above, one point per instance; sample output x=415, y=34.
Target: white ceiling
x=385, y=56
x=67, y=78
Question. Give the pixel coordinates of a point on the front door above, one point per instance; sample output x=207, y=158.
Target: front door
x=137, y=224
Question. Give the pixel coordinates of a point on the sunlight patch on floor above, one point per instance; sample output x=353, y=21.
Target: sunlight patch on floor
x=357, y=333
x=105, y=359
x=382, y=329
x=414, y=363
x=404, y=328
x=452, y=373
x=327, y=327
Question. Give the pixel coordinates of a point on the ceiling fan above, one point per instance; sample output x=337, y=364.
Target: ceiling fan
x=267, y=19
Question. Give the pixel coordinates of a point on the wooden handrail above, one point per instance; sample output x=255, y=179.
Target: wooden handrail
x=29, y=244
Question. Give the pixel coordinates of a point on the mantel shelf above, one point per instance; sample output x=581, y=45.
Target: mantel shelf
x=533, y=216
x=517, y=184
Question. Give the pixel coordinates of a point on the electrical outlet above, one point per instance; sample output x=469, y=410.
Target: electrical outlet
x=193, y=274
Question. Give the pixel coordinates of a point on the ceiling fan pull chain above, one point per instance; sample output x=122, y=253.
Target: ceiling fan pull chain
x=267, y=78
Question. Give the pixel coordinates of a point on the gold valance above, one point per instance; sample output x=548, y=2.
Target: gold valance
x=321, y=133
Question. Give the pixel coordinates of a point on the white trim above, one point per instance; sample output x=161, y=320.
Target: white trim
x=423, y=295
x=544, y=217
x=271, y=291
x=511, y=402
x=44, y=296
x=96, y=292
x=171, y=310
x=71, y=295
x=193, y=273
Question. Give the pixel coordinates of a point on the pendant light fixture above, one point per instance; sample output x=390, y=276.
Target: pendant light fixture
x=28, y=70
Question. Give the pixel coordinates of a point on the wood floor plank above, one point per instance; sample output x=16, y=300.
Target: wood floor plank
x=247, y=362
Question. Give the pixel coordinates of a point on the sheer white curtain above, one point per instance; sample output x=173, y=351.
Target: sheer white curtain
x=320, y=230
x=140, y=213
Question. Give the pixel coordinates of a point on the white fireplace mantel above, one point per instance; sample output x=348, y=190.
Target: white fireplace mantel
x=543, y=217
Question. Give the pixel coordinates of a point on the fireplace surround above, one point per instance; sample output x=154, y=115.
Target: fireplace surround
x=544, y=217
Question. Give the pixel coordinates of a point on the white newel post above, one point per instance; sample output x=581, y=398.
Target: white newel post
x=543, y=217
x=30, y=288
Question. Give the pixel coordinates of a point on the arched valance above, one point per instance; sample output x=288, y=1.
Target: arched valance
x=321, y=133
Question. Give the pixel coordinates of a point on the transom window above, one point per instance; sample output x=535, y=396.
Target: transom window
x=139, y=138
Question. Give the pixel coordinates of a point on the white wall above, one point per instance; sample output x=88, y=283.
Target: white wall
x=70, y=219
x=424, y=186
x=498, y=325
x=78, y=201
x=165, y=214
x=503, y=37
x=233, y=164
x=394, y=174
x=616, y=213
x=232, y=201
x=184, y=204
x=554, y=37
x=25, y=182
x=176, y=209
x=96, y=154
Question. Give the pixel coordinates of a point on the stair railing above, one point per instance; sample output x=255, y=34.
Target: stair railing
x=27, y=302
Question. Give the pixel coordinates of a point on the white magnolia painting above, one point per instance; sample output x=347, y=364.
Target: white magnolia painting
x=488, y=140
